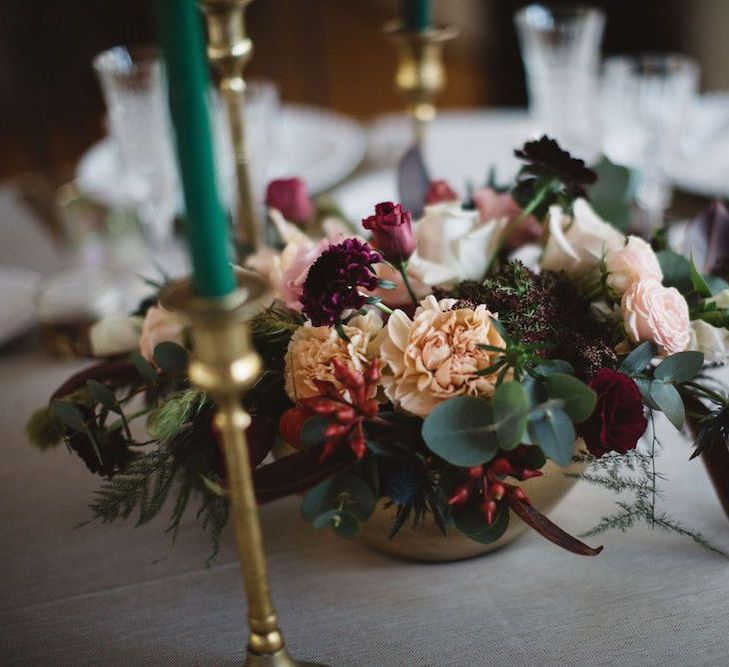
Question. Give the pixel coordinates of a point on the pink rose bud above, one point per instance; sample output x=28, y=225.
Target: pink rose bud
x=392, y=232
x=438, y=192
x=289, y=196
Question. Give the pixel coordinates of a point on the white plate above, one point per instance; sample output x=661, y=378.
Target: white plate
x=18, y=287
x=320, y=146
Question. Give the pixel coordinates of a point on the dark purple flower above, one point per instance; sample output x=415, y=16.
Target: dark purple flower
x=289, y=196
x=331, y=285
x=392, y=232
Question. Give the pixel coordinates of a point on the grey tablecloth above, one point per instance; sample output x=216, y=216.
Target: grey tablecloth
x=119, y=595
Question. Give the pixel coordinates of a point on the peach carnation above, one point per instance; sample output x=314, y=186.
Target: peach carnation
x=633, y=262
x=435, y=356
x=657, y=314
x=311, y=350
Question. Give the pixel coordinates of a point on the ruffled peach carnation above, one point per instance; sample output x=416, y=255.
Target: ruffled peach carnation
x=652, y=312
x=633, y=262
x=435, y=356
x=311, y=350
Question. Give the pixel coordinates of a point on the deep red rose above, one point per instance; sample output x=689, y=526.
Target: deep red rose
x=290, y=197
x=617, y=422
x=438, y=192
x=392, y=232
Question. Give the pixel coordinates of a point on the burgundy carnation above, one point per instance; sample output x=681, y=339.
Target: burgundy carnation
x=392, y=232
x=617, y=422
x=331, y=285
x=289, y=196
x=438, y=192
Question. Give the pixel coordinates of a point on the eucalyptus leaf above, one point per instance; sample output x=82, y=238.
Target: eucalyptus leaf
x=676, y=271
x=550, y=366
x=644, y=386
x=102, y=394
x=348, y=526
x=669, y=402
x=680, y=367
x=143, y=367
x=472, y=523
x=611, y=194
x=638, y=359
x=69, y=414
x=171, y=357
x=552, y=430
x=347, y=490
x=461, y=431
x=510, y=405
x=579, y=399
x=325, y=518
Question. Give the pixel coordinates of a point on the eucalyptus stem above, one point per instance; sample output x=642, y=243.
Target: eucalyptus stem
x=514, y=224
x=402, y=267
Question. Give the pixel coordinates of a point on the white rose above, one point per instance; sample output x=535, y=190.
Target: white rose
x=115, y=334
x=721, y=299
x=453, y=244
x=576, y=245
x=712, y=341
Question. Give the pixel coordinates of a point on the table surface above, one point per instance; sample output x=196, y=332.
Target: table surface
x=123, y=595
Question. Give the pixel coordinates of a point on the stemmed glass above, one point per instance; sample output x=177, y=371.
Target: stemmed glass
x=560, y=48
x=135, y=96
x=645, y=100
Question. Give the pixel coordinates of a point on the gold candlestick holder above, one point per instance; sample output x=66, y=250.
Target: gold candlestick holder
x=420, y=73
x=224, y=364
x=229, y=50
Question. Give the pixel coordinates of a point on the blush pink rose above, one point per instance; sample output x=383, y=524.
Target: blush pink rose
x=633, y=262
x=160, y=325
x=652, y=312
x=492, y=205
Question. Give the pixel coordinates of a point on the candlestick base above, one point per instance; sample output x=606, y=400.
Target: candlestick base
x=224, y=364
x=420, y=74
x=279, y=659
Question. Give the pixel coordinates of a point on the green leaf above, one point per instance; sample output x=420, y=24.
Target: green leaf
x=510, y=405
x=552, y=430
x=669, y=402
x=171, y=357
x=638, y=359
x=69, y=414
x=680, y=367
x=676, y=271
x=644, y=386
x=461, y=431
x=579, y=399
x=143, y=367
x=325, y=518
x=550, y=366
x=698, y=281
x=102, y=394
x=312, y=432
x=499, y=326
x=347, y=490
x=472, y=523
x=611, y=194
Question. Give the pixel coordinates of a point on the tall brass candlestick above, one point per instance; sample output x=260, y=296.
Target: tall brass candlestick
x=420, y=73
x=229, y=50
x=224, y=365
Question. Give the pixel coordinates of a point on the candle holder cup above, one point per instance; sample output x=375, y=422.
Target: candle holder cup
x=420, y=73
x=224, y=364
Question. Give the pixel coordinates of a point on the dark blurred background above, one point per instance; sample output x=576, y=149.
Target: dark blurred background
x=324, y=52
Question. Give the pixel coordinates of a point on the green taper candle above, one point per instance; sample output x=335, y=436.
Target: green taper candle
x=417, y=15
x=183, y=49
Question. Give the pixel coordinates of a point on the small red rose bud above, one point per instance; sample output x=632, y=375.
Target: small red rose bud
x=438, y=192
x=475, y=472
x=497, y=490
x=392, y=232
x=289, y=196
x=369, y=408
x=290, y=425
x=372, y=373
x=358, y=444
x=489, y=510
x=500, y=467
x=460, y=495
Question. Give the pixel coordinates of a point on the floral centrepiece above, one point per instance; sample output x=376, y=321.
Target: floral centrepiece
x=421, y=364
